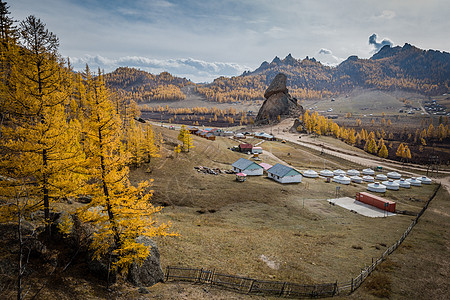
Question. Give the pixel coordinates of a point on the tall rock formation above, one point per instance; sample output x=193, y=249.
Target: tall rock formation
x=278, y=102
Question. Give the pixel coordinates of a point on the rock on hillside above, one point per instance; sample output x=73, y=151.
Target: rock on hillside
x=278, y=102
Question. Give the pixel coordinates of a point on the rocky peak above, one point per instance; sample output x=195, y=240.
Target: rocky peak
x=278, y=85
x=289, y=60
x=278, y=102
x=276, y=61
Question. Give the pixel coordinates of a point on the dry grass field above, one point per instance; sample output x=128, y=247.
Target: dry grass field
x=267, y=230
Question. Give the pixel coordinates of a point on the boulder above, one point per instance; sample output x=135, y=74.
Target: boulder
x=295, y=127
x=278, y=102
x=278, y=85
x=150, y=272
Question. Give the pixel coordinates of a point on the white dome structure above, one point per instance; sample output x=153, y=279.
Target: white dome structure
x=394, y=175
x=391, y=185
x=381, y=177
x=356, y=179
x=376, y=187
x=310, y=174
x=326, y=173
x=414, y=182
x=424, y=180
x=338, y=172
x=403, y=183
x=352, y=172
x=342, y=179
x=368, y=178
x=368, y=171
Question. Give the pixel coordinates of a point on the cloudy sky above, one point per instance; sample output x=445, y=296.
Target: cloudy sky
x=202, y=40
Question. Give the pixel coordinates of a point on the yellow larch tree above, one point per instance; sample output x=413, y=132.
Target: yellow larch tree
x=40, y=145
x=383, y=151
x=119, y=211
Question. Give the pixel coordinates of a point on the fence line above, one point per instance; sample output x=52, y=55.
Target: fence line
x=358, y=280
x=248, y=285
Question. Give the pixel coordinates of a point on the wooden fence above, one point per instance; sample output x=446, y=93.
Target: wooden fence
x=358, y=280
x=285, y=289
x=249, y=285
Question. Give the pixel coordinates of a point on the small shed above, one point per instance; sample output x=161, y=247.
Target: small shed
x=217, y=132
x=265, y=166
x=239, y=136
x=284, y=174
x=246, y=148
x=248, y=167
x=241, y=177
x=257, y=150
x=264, y=136
x=210, y=137
x=192, y=129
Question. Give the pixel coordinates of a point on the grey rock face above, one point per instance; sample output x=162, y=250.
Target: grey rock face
x=150, y=272
x=278, y=102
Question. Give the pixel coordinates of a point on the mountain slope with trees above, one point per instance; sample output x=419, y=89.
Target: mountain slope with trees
x=141, y=86
x=399, y=68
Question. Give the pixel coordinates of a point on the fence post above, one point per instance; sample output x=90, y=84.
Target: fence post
x=282, y=289
x=351, y=289
x=167, y=273
x=212, y=276
x=251, y=286
x=199, y=276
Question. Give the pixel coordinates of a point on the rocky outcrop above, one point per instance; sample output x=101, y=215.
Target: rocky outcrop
x=278, y=102
x=150, y=272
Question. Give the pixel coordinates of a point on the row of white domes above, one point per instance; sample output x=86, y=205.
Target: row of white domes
x=339, y=177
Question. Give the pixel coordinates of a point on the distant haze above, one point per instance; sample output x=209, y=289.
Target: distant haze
x=202, y=40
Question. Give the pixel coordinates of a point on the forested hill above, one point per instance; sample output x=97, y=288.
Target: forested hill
x=392, y=68
x=142, y=86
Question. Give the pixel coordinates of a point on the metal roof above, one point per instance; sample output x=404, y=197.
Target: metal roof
x=246, y=146
x=281, y=170
x=265, y=166
x=243, y=164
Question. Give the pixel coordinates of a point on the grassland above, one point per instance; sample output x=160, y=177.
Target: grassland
x=229, y=226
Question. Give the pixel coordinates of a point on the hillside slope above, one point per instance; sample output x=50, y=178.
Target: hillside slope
x=399, y=68
x=141, y=86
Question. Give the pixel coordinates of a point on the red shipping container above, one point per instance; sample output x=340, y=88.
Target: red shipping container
x=376, y=201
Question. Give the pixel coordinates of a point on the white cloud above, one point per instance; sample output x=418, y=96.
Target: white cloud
x=378, y=45
x=386, y=14
x=327, y=58
x=194, y=69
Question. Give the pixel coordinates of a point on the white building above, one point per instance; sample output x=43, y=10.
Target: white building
x=284, y=174
x=248, y=167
